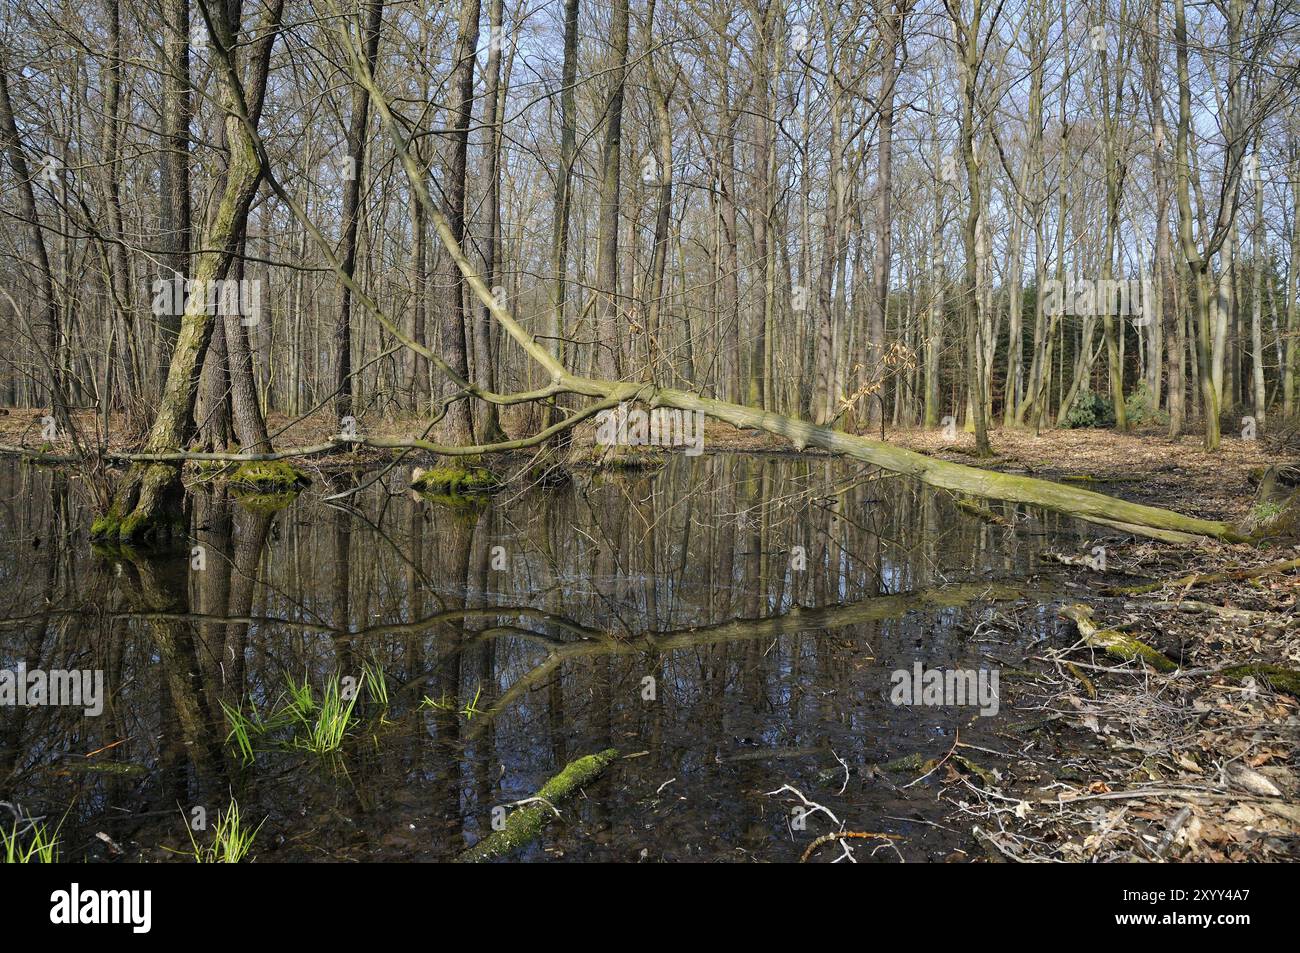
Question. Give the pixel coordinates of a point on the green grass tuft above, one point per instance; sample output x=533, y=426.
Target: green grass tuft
x=42, y=846
x=231, y=840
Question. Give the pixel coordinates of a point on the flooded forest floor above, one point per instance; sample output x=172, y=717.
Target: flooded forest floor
x=786, y=750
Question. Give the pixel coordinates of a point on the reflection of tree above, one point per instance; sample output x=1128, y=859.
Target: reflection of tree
x=212, y=529
x=159, y=586
x=251, y=527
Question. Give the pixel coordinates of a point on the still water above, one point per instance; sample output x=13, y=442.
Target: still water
x=728, y=621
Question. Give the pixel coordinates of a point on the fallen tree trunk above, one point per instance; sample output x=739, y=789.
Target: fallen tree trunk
x=1201, y=579
x=525, y=824
x=1131, y=517
x=1099, y=508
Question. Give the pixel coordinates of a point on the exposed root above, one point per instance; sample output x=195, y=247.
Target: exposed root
x=842, y=836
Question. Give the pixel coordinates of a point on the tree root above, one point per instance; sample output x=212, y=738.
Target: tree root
x=149, y=506
x=842, y=835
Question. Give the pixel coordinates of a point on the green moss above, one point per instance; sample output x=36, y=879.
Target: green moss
x=1114, y=643
x=207, y=470
x=140, y=527
x=134, y=525
x=269, y=476
x=1281, y=679
x=107, y=526
x=1123, y=647
x=526, y=823
x=1265, y=511
x=256, y=502
x=455, y=480
x=984, y=774
x=910, y=764
x=634, y=459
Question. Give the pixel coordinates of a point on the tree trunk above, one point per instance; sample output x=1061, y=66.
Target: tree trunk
x=352, y=169
x=47, y=334
x=148, y=505
x=458, y=425
x=493, y=105
x=174, y=198
x=609, y=358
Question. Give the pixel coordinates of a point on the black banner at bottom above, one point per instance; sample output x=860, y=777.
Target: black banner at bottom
x=336, y=903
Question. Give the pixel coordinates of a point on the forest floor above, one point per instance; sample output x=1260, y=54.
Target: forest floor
x=1115, y=761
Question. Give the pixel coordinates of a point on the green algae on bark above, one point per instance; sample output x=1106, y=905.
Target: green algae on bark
x=525, y=824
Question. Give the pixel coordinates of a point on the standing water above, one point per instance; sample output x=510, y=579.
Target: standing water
x=728, y=623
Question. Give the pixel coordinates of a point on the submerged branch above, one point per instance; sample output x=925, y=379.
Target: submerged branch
x=525, y=824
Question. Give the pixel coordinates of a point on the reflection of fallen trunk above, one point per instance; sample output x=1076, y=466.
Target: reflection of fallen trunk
x=414, y=627
x=526, y=823
x=796, y=620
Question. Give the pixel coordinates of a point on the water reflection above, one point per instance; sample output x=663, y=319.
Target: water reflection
x=761, y=601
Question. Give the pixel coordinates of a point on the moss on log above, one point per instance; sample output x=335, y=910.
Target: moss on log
x=1201, y=579
x=1115, y=644
x=1282, y=679
x=526, y=823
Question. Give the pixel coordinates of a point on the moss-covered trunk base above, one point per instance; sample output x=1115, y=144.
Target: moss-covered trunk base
x=148, y=508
